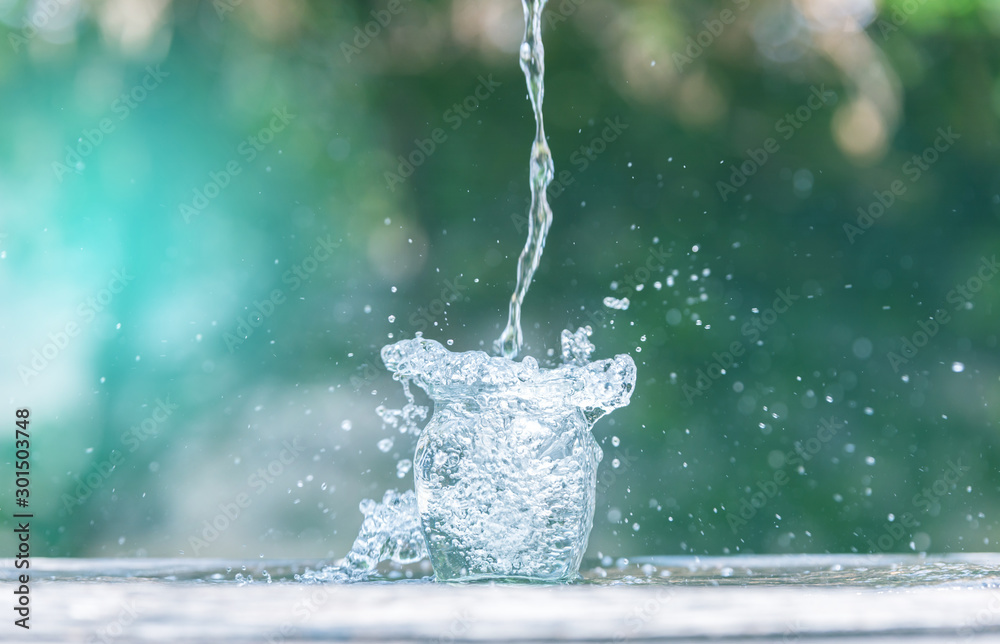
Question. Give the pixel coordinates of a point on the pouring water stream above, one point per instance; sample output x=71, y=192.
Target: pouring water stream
x=540, y=169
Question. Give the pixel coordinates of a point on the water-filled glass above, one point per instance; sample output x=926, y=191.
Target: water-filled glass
x=505, y=470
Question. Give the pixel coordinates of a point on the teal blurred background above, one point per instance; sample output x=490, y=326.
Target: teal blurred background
x=203, y=248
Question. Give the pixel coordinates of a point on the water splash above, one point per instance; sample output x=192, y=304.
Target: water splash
x=509, y=444
x=505, y=469
x=541, y=171
x=598, y=387
x=391, y=531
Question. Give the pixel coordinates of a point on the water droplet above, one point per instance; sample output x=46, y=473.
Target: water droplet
x=614, y=303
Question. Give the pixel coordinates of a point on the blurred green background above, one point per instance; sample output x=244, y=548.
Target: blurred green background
x=201, y=254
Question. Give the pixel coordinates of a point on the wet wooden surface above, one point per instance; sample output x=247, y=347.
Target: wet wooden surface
x=164, y=601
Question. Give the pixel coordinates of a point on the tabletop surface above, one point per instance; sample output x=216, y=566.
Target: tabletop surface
x=832, y=598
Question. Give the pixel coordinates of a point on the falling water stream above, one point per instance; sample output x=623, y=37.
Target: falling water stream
x=540, y=173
